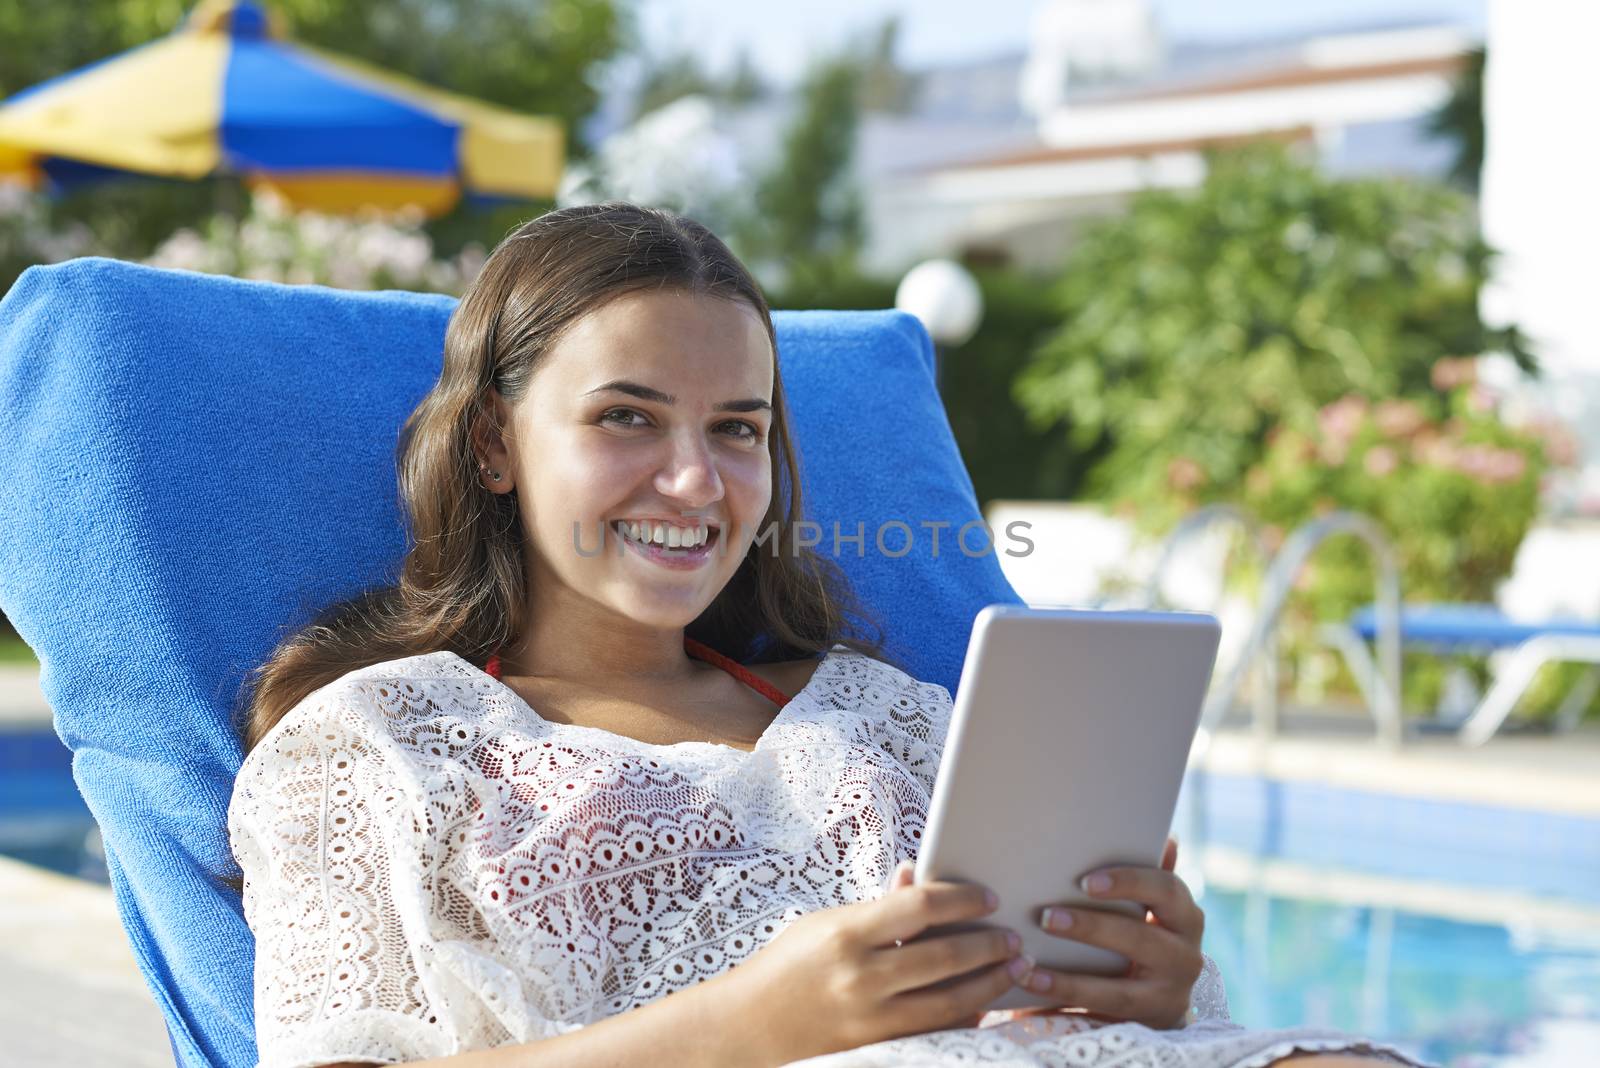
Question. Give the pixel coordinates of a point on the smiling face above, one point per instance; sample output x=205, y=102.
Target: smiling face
x=655, y=406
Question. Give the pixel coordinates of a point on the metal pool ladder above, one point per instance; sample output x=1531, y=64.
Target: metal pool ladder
x=1380, y=685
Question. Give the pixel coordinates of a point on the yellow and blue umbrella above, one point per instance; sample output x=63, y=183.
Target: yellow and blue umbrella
x=226, y=93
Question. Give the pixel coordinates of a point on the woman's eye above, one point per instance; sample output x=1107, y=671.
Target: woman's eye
x=624, y=417
x=605, y=417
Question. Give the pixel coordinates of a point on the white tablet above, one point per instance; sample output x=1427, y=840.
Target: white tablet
x=1068, y=741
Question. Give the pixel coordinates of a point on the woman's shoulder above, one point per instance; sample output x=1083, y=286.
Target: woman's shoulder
x=364, y=699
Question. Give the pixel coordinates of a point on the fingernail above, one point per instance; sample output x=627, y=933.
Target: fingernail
x=991, y=899
x=1098, y=883
x=1057, y=919
x=1020, y=967
x=1013, y=941
x=1039, y=984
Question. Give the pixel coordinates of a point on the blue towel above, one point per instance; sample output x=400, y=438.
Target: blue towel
x=193, y=465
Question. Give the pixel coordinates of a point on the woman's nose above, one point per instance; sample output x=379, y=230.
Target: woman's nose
x=690, y=473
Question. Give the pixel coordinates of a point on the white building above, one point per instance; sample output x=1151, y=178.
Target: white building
x=1539, y=210
x=1143, y=117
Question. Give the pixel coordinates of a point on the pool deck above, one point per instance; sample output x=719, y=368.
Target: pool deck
x=71, y=993
x=1536, y=771
x=22, y=703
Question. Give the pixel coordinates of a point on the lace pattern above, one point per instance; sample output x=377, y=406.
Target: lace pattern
x=430, y=868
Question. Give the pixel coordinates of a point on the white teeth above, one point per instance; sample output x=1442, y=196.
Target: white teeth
x=666, y=536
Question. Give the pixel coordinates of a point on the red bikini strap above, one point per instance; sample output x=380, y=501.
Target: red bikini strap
x=701, y=651
x=737, y=670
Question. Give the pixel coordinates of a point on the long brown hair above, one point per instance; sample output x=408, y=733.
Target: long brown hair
x=462, y=585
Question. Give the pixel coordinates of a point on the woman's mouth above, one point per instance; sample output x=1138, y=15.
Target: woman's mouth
x=676, y=557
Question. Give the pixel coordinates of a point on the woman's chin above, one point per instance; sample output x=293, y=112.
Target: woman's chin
x=659, y=609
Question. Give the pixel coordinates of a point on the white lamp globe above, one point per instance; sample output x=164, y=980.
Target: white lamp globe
x=945, y=297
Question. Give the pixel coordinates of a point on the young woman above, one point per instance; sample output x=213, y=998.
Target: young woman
x=610, y=774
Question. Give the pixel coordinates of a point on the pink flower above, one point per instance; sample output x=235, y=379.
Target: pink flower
x=1490, y=465
x=1473, y=461
x=1506, y=465
x=1184, y=474
x=1380, y=461
x=1435, y=451
x=1399, y=418
x=1450, y=372
x=1340, y=420
x=1561, y=445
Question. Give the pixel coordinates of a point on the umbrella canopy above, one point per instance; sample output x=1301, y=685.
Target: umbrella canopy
x=226, y=93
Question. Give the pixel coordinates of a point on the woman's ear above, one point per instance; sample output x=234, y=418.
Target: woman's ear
x=489, y=442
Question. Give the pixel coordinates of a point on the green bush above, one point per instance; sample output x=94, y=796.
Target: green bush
x=1196, y=322
x=1295, y=343
x=1454, y=488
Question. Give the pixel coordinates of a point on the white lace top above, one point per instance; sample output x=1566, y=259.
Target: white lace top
x=430, y=868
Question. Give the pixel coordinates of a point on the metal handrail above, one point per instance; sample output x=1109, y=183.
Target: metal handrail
x=1384, y=699
x=1192, y=526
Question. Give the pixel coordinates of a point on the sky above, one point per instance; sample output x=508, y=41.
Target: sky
x=781, y=36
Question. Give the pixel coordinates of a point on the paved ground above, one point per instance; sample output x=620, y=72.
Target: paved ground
x=22, y=703
x=70, y=993
x=1545, y=772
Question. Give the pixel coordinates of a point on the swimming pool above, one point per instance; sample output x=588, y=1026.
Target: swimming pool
x=1467, y=934
x=43, y=818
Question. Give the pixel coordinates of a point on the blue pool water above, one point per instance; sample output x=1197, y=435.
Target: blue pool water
x=43, y=819
x=1459, y=994
x=1465, y=995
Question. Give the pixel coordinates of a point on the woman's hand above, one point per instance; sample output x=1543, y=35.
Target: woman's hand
x=1163, y=949
x=856, y=974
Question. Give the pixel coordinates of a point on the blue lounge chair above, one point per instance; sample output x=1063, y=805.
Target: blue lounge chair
x=1484, y=628
x=193, y=465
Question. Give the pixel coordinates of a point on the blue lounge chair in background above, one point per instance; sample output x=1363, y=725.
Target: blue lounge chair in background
x=1483, y=629
x=1389, y=625
x=194, y=465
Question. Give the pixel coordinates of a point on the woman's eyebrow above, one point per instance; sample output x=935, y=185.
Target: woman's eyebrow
x=634, y=389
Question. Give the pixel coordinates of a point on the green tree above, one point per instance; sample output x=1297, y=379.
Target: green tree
x=807, y=220
x=40, y=39
x=1460, y=120
x=745, y=84
x=669, y=79
x=884, y=85
x=1007, y=456
x=683, y=74
x=1196, y=322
